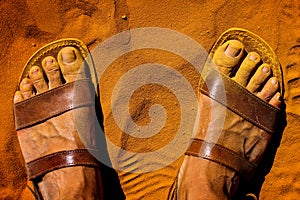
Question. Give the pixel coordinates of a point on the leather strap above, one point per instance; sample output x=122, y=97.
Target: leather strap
x=62, y=159
x=221, y=155
x=53, y=102
x=239, y=100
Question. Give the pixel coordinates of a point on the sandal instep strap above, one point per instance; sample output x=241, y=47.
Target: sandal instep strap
x=222, y=155
x=61, y=159
x=53, y=102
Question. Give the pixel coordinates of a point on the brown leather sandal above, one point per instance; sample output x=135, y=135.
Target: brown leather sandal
x=42, y=108
x=261, y=118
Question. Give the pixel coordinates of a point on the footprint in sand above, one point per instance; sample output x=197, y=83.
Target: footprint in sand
x=289, y=12
x=293, y=80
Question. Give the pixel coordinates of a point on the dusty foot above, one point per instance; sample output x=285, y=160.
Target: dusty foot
x=59, y=133
x=204, y=179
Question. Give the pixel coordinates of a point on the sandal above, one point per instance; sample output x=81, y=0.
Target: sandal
x=237, y=137
x=33, y=115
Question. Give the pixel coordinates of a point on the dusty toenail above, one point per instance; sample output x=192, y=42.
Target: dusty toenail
x=232, y=51
x=17, y=97
x=68, y=56
x=49, y=61
x=266, y=69
x=274, y=81
x=253, y=57
x=35, y=71
x=26, y=81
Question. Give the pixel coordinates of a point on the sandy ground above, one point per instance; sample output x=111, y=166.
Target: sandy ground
x=28, y=25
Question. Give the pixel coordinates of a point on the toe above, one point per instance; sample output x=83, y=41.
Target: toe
x=228, y=55
x=52, y=70
x=37, y=77
x=269, y=89
x=258, y=79
x=246, y=69
x=70, y=63
x=18, y=97
x=26, y=88
x=276, y=100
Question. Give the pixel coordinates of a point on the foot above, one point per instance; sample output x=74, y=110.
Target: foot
x=202, y=178
x=58, y=133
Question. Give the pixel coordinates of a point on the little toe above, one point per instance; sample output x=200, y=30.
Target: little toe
x=37, y=77
x=18, y=97
x=26, y=88
x=52, y=71
x=71, y=64
x=269, y=89
x=258, y=79
x=247, y=67
x=276, y=100
x=228, y=55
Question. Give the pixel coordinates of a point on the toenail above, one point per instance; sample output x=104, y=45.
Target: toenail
x=266, y=69
x=253, y=57
x=17, y=97
x=35, y=71
x=232, y=51
x=49, y=61
x=26, y=81
x=68, y=56
x=274, y=81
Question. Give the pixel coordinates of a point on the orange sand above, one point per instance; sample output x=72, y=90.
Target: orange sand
x=28, y=25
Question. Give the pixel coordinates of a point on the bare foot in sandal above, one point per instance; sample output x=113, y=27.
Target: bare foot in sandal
x=55, y=124
x=238, y=113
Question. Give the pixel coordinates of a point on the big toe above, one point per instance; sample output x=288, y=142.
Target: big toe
x=228, y=56
x=71, y=64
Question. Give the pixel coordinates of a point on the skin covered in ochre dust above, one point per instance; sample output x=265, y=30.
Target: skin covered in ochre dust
x=60, y=132
x=204, y=179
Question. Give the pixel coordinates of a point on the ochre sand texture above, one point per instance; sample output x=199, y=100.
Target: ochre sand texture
x=28, y=25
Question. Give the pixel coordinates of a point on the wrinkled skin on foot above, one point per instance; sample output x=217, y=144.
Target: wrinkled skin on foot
x=61, y=132
x=204, y=179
